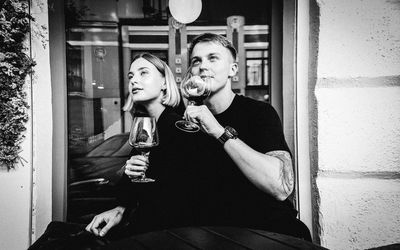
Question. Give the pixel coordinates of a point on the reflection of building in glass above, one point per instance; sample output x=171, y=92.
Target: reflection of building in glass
x=253, y=73
x=257, y=67
x=257, y=74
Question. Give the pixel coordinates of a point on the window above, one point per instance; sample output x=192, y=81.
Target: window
x=257, y=68
x=258, y=75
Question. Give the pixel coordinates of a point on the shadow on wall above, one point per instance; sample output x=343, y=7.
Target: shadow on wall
x=313, y=108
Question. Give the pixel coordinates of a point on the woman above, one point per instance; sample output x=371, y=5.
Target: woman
x=165, y=202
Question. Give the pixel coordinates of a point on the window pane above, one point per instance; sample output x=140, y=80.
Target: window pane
x=93, y=87
x=91, y=10
x=254, y=72
x=254, y=54
x=266, y=73
x=96, y=136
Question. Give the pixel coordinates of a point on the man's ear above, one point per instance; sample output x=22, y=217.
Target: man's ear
x=233, y=70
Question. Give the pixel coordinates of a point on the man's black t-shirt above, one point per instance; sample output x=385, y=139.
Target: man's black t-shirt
x=225, y=195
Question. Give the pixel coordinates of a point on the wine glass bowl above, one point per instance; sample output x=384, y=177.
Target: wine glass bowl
x=195, y=90
x=143, y=137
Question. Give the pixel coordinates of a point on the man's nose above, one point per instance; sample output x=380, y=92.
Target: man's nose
x=205, y=64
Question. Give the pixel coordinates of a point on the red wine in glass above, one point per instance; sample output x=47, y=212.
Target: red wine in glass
x=143, y=137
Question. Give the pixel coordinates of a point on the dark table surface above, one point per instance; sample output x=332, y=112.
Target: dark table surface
x=212, y=238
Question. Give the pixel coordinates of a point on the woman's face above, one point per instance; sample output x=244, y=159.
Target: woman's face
x=145, y=82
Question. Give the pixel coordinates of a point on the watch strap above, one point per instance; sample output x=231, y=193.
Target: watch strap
x=227, y=135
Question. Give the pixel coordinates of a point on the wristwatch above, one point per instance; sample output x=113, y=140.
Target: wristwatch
x=229, y=133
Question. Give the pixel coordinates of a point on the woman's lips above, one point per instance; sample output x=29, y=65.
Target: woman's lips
x=135, y=90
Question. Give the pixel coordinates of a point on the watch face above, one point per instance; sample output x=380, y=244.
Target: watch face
x=232, y=131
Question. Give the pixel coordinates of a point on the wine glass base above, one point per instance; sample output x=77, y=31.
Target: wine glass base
x=187, y=126
x=143, y=180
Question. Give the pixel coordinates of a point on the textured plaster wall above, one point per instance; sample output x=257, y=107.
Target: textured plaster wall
x=25, y=192
x=359, y=128
x=357, y=119
x=359, y=213
x=359, y=38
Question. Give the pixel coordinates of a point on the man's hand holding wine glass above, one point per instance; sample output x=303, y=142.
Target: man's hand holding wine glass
x=203, y=117
x=195, y=90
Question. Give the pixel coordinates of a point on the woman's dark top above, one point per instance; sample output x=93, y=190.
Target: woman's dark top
x=167, y=202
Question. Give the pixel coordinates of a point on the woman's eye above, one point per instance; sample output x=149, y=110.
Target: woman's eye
x=130, y=77
x=142, y=73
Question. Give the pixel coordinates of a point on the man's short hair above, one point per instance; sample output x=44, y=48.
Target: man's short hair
x=210, y=37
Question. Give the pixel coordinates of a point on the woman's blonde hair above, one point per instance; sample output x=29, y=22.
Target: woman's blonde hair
x=171, y=94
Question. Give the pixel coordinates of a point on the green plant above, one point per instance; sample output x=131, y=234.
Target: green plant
x=15, y=66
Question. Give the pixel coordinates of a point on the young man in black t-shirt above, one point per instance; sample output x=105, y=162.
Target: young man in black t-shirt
x=247, y=173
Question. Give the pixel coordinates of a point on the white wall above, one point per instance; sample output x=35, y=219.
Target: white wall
x=356, y=120
x=15, y=193
x=42, y=120
x=25, y=209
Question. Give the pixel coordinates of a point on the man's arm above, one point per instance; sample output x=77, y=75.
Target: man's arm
x=271, y=172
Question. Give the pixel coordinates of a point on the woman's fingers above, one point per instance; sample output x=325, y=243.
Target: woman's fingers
x=136, y=166
x=94, y=226
x=138, y=160
x=135, y=170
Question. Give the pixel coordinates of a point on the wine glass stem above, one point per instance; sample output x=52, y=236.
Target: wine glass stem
x=190, y=103
x=144, y=172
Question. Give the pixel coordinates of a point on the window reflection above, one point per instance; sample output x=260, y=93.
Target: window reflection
x=95, y=130
x=93, y=87
x=257, y=67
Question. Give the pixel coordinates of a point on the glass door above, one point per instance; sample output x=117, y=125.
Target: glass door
x=97, y=147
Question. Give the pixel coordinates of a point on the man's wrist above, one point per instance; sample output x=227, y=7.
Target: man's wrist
x=220, y=131
x=229, y=133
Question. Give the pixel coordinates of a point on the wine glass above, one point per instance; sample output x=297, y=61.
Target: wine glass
x=195, y=90
x=143, y=136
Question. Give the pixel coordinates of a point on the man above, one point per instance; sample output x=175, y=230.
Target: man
x=247, y=175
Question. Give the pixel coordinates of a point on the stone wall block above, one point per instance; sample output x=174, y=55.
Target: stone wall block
x=363, y=38
x=359, y=128
x=359, y=213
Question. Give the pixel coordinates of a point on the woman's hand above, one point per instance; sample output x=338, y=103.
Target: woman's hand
x=110, y=218
x=136, y=166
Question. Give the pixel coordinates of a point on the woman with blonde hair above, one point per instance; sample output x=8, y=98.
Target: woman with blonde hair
x=165, y=202
x=170, y=93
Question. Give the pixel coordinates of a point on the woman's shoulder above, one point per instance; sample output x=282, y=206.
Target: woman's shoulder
x=169, y=133
x=167, y=121
x=169, y=117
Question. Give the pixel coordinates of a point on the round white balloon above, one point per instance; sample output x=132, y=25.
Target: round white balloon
x=185, y=11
